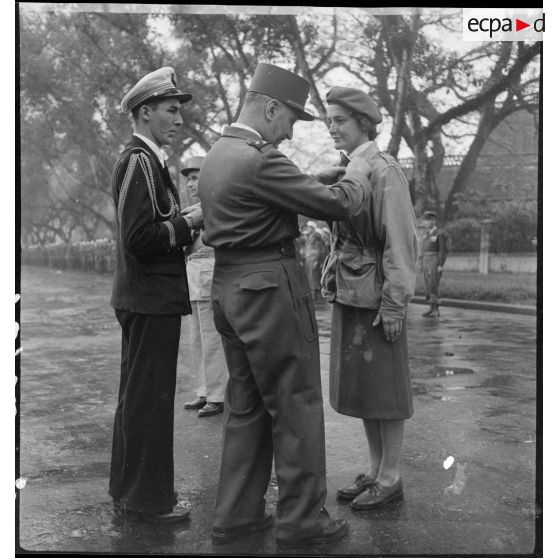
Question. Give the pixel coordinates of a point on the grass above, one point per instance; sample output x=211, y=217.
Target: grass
x=512, y=288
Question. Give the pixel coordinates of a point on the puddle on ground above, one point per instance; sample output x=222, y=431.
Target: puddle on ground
x=94, y=469
x=498, y=412
x=443, y=371
x=500, y=380
x=419, y=388
x=500, y=385
x=87, y=331
x=425, y=390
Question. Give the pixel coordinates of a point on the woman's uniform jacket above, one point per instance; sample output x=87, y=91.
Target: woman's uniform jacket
x=374, y=254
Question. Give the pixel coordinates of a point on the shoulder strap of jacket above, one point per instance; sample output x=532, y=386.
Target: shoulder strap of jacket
x=261, y=145
x=135, y=149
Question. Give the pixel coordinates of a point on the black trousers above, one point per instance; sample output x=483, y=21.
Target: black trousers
x=142, y=466
x=273, y=403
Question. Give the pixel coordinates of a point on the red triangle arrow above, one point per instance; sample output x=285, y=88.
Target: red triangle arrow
x=519, y=25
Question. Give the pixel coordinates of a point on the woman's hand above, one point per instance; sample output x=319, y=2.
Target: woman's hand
x=392, y=326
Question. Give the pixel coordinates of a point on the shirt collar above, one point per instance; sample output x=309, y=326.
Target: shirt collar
x=244, y=127
x=160, y=153
x=360, y=149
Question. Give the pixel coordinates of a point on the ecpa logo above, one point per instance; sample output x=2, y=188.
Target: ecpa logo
x=503, y=24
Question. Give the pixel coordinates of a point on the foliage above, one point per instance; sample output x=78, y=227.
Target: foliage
x=514, y=227
x=76, y=66
x=438, y=97
x=464, y=235
x=475, y=205
x=73, y=68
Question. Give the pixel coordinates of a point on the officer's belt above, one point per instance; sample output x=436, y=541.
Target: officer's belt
x=230, y=256
x=200, y=254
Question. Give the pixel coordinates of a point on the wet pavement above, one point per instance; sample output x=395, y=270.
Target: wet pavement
x=474, y=385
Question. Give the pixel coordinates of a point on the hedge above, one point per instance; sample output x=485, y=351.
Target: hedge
x=464, y=235
x=513, y=229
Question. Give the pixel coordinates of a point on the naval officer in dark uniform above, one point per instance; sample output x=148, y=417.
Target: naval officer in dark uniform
x=150, y=293
x=251, y=194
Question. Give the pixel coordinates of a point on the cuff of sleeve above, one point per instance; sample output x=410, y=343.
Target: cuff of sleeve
x=386, y=313
x=182, y=231
x=393, y=311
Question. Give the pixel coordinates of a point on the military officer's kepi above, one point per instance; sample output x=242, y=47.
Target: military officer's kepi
x=285, y=86
x=194, y=163
x=156, y=85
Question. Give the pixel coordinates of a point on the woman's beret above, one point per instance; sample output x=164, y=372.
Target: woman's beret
x=354, y=100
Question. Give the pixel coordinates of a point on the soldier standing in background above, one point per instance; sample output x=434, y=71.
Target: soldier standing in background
x=313, y=252
x=203, y=340
x=435, y=247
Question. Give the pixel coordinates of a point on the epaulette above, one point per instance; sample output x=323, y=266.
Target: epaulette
x=134, y=149
x=389, y=159
x=258, y=144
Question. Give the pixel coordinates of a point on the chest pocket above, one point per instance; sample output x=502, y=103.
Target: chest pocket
x=259, y=281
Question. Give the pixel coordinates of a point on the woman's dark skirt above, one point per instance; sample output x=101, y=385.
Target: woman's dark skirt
x=369, y=375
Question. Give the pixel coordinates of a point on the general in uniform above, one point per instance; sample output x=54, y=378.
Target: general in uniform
x=149, y=295
x=251, y=194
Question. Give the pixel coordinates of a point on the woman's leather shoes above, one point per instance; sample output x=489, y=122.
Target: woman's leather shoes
x=378, y=495
x=359, y=485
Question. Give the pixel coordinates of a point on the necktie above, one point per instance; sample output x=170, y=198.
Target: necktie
x=344, y=159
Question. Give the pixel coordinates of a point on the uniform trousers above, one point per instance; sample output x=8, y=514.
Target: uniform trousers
x=206, y=350
x=142, y=465
x=431, y=277
x=273, y=403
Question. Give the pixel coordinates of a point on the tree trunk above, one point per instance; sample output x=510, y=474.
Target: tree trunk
x=403, y=57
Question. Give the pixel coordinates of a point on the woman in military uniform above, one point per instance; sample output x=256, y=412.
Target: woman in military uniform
x=370, y=277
